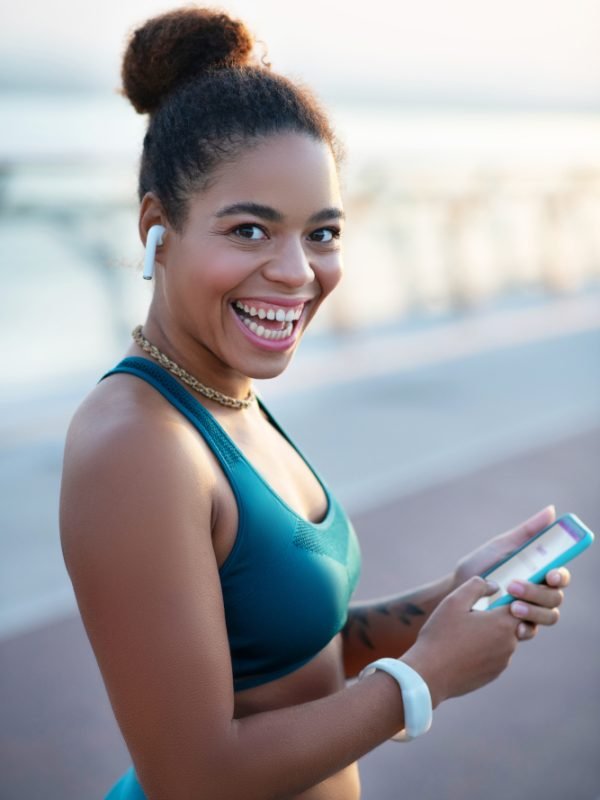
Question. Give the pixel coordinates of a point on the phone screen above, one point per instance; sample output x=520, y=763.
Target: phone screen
x=543, y=549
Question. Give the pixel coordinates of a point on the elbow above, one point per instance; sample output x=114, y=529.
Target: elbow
x=216, y=770
x=190, y=770
x=214, y=781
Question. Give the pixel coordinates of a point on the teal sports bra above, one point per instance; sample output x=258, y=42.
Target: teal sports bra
x=287, y=582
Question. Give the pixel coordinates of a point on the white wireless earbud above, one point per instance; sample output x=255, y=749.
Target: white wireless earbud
x=153, y=240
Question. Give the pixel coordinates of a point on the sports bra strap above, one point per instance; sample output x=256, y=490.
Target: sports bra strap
x=201, y=419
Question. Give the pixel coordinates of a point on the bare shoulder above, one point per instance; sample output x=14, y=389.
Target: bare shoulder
x=135, y=520
x=126, y=443
x=124, y=406
x=128, y=454
x=136, y=482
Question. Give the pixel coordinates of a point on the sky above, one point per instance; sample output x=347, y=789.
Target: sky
x=532, y=53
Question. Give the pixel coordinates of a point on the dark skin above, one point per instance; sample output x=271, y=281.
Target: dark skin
x=148, y=516
x=389, y=626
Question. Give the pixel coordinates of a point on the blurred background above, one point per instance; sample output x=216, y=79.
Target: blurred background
x=449, y=389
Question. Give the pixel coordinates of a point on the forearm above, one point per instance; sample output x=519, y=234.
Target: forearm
x=280, y=753
x=389, y=626
x=283, y=752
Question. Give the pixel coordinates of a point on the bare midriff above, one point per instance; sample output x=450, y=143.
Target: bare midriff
x=322, y=676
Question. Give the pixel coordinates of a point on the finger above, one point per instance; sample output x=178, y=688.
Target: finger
x=472, y=590
x=540, y=520
x=534, y=614
x=536, y=593
x=558, y=577
x=526, y=630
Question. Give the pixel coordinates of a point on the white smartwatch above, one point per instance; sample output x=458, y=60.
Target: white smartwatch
x=416, y=698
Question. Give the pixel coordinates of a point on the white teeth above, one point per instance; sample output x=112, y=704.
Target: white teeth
x=280, y=314
x=266, y=333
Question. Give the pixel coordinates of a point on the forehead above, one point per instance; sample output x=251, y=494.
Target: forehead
x=293, y=173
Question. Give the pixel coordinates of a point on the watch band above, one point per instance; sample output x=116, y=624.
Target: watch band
x=416, y=698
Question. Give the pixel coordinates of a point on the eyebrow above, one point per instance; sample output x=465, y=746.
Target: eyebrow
x=272, y=215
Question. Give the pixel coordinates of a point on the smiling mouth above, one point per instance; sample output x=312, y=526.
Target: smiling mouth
x=268, y=321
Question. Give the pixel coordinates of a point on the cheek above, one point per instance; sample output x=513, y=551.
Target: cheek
x=214, y=273
x=330, y=273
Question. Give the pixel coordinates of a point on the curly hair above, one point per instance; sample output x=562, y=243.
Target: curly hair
x=193, y=71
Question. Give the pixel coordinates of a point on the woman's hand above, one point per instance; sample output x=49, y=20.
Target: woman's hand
x=537, y=604
x=459, y=650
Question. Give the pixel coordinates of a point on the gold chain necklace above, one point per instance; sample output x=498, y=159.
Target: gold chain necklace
x=207, y=391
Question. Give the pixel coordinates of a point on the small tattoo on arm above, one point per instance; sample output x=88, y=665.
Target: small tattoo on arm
x=363, y=636
x=406, y=610
x=382, y=608
x=359, y=620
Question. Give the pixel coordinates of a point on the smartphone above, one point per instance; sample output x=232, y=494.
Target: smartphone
x=548, y=549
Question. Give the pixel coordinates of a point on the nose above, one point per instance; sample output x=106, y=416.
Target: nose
x=290, y=266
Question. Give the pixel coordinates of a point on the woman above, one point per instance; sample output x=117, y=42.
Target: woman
x=212, y=566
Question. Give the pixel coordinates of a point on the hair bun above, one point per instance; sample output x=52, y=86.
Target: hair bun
x=172, y=48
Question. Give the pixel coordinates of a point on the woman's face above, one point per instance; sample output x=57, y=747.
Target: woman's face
x=259, y=253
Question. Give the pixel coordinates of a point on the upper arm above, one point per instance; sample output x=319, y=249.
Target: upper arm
x=135, y=521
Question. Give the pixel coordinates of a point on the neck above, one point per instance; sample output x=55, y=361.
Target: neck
x=195, y=358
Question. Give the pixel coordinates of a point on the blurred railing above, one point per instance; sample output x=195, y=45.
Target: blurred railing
x=415, y=239
x=459, y=239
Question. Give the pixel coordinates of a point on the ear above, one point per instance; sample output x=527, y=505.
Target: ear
x=152, y=213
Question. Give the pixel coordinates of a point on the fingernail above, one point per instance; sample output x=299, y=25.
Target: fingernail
x=553, y=577
x=522, y=629
x=520, y=609
x=516, y=588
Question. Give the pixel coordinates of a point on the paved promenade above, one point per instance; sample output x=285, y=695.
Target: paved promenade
x=450, y=454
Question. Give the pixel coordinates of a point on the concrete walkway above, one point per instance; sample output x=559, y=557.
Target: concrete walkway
x=431, y=460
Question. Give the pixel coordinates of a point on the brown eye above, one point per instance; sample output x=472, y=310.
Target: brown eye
x=326, y=235
x=249, y=231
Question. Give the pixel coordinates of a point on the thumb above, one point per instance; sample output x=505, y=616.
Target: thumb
x=536, y=523
x=472, y=590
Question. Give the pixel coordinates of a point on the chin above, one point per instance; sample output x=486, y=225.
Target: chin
x=270, y=369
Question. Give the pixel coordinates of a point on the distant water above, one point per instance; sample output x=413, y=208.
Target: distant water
x=97, y=125
x=68, y=211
